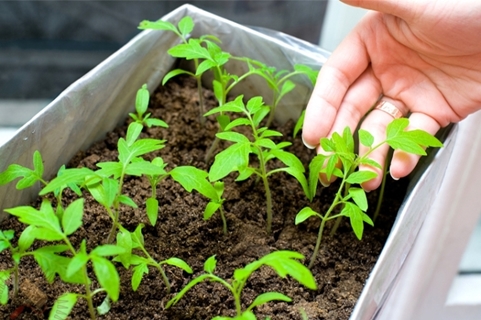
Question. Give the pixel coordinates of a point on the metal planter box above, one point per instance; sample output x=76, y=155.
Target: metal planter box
x=101, y=99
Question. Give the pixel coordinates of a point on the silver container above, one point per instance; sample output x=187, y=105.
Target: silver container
x=101, y=100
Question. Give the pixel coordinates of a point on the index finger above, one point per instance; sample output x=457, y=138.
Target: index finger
x=341, y=70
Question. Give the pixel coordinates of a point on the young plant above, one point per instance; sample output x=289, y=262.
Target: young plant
x=135, y=240
x=279, y=81
x=236, y=156
x=46, y=225
x=183, y=30
x=353, y=203
x=284, y=263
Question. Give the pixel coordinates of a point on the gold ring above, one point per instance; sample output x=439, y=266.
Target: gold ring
x=389, y=108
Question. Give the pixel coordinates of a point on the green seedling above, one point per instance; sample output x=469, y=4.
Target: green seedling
x=44, y=224
x=142, y=119
x=284, y=263
x=353, y=203
x=189, y=48
x=17, y=253
x=279, y=81
x=130, y=241
x=236, y=156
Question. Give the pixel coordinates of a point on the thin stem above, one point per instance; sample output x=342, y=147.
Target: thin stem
x=273, y=109
x=15, y=280
x=159, y=267
x=382, y=188
x=224, y=221
x=210, y=152
x=88, y=295
x=318, y=243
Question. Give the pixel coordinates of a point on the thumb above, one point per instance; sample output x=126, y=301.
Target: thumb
x=406, y=9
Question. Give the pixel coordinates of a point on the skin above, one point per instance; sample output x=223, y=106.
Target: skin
x=424, y=56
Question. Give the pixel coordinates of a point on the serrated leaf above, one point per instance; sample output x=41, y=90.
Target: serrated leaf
x=140, y=168
x=137, y=236
x=370, y=162
x=63, y=306
x=189, y=51
x=365, y=138
x=237, y=122
x=231, y=159
x=107, y=276
x=205, y=66
x=245, y=173
x=232, y=106
x=38, y=163
x=356, y=218
x=305, y=214
x=265, y=143
x=124, y=240
x=109, y=168
x=300, y=177
x=192, y=178
x=254, y=104
x=152, y=122
x=138, y=148
x=210, y=264
x=138, y=274
x=69, y=176
x=152, y=206
x=179, y=263
x=260, y=115
x=45, y=217
x=287, y=87
x=359, y=177
x=309, y=72
x=127, y=201
x=359, y=197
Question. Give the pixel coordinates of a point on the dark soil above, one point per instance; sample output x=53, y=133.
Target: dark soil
x=341, y=269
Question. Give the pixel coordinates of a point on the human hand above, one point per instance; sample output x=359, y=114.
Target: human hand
x=424, y=56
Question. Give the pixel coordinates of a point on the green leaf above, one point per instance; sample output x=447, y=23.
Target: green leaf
x=210, y=209
x=245, y=173
x=260, y=115
x=287, y=87
x=140, y=147
x=366, y=138
x=137, y=236
x=140, y=168
x=289, y=159
x=359, y=177
x=300, y=177
x=269, y=133
x=158, y=25
x=109, y=169
x=299, y=123
x=268, y=297
x=189, y=51
x=152, y=206
x=77, y=263
x=107, y=276
x=310, y=73
x=186, y=25
x=41, y=233
x=218, y=93
x=63, y=306
x=189, y=286
x=155, y=123
x=138, y=274
x=4, y=276
x=356, y=218
x=232, y=106
x=359, y=197
x=174, y=73
x=107, y=250
x=232, y=136
x=38, y=164
x=237, y=122
x=210, y=264
x=231, y=159
x=254, y=104
x=205, y=66
x=124, y=240
x=179, y=263
x=45, y=217
x=142, y=100
x=127, y=201
x=223, y=121
x=192, y=178
x=370, y=162
x=133, y=132
x=26, y=239
x=305, y=214
x=265, y=143
x=69, y=176
x=104, y=307
x=72, y=217
x=315, y=167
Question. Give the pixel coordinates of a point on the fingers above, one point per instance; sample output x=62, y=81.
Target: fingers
x=376, y=122
x=406, y=9
x=335, y=79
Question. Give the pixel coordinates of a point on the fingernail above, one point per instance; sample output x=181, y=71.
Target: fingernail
x=325, y=185
x=307, y=144
x=394, y=178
